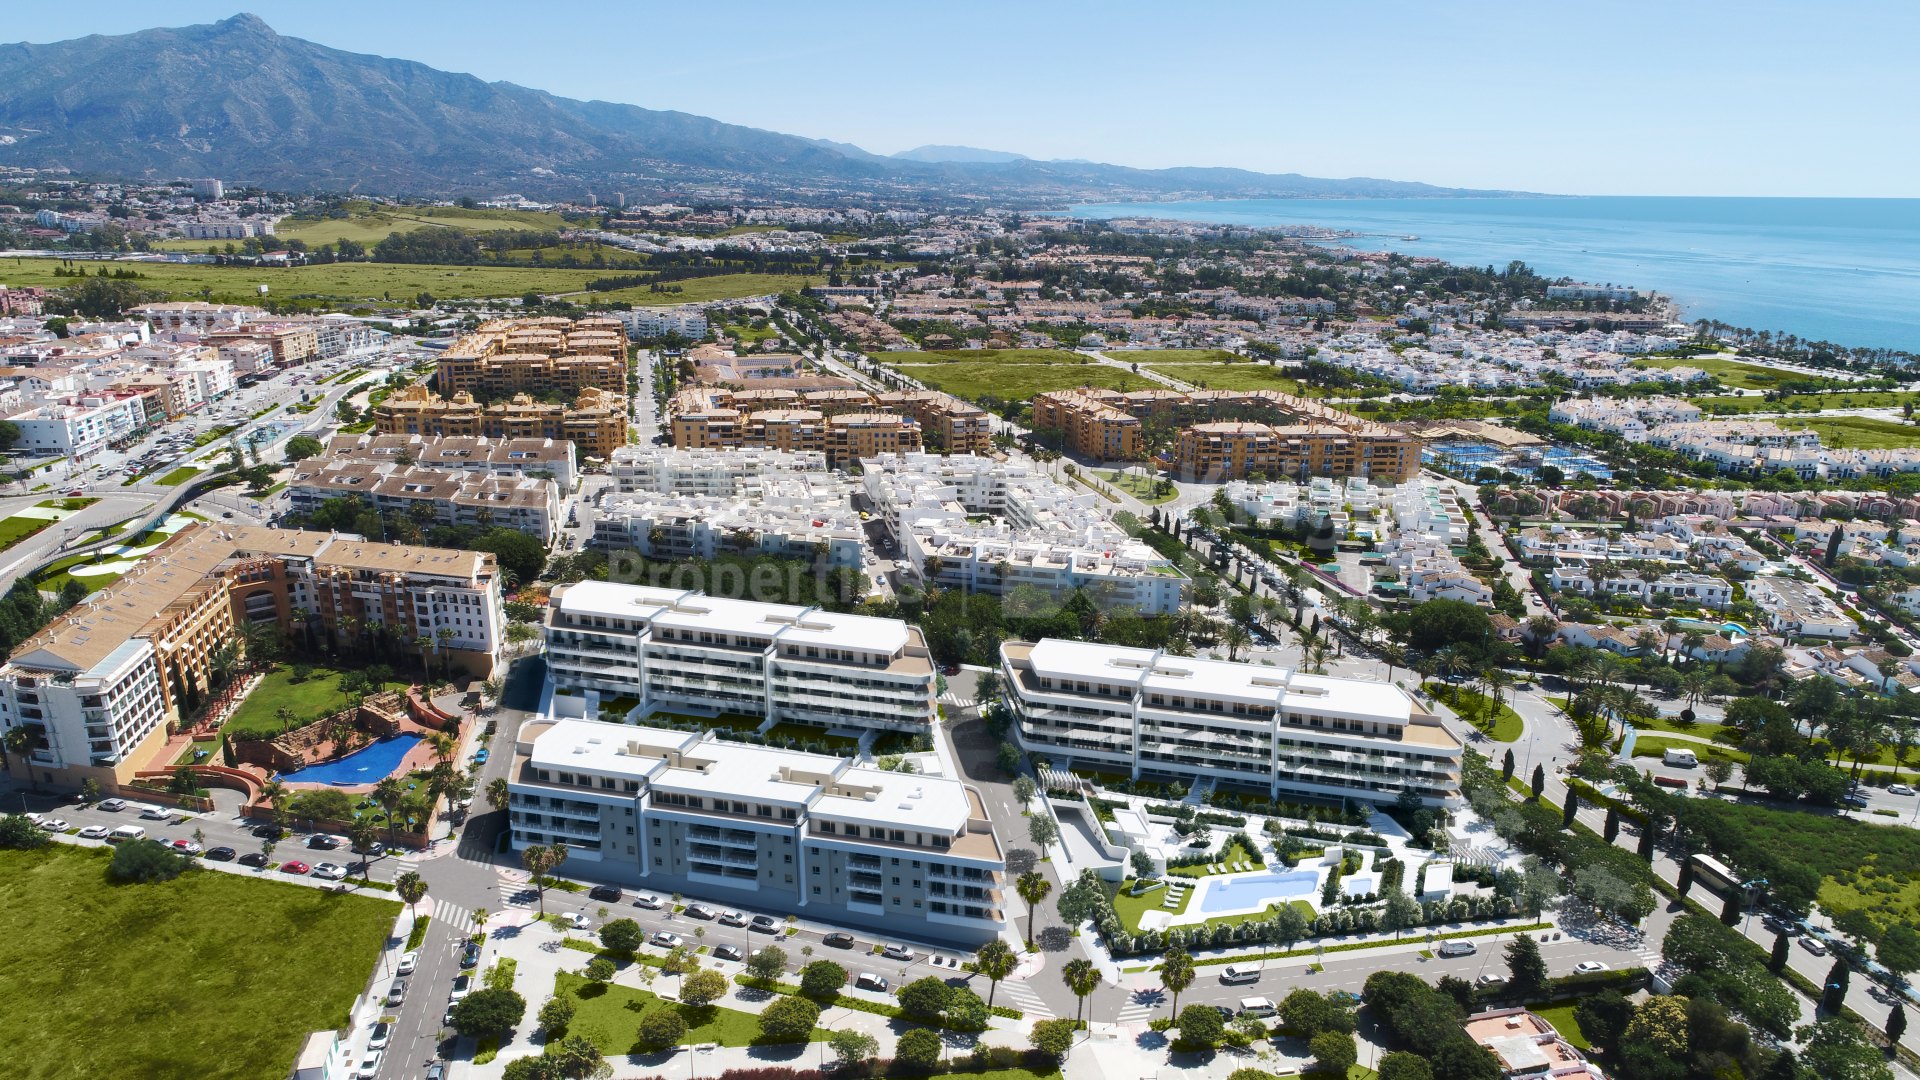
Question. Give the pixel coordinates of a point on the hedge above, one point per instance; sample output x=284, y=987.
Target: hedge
x=842, y=1001
x=1355, y=946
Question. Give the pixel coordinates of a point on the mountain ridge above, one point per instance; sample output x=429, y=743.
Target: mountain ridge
x=237, y=99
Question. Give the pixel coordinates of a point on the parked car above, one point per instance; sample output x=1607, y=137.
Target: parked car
x=1899, y=789
x=407, y=963
x=839, y=939
x=609, y=893
x=54, y=824
x=699, y=911
x=325, y=841
x=470, y=954
x=95, y=832
x=1814, y=945
x=666, y=940
x=437, y=1071
x=897, y=952
x=765, y=924
x=329, y=871
x=577, y=920
x=370, y=1065
x=1589, y=967
x=462, y=986
x=186, y=847
x=648, y=901
x=871, y=981
x=732, y=918
x=111, y=806
x=728, y=952
x=382, y=1035
x=269, y=831
x=374, y=849
x=397, y=992
x=294, y=866
x=253, y=858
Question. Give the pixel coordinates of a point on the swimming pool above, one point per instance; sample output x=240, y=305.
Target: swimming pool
x=1254, y=891
x=367, y=765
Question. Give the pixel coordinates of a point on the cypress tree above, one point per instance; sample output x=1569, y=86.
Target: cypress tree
x=1572, y=808
x=1778, y=961
x=1613, y=824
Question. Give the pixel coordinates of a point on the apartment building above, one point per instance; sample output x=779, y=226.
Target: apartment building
x=847, y=424
x=1233, y=450
x=1167, y=717
x=96, y=687
x=1089, y=427
x=777, y=831
x=80, y=427
x=1036, y=533
x=675, y=650
x=291, y=345
x=536, y=355
x=596, y=423
x=196, y=315
x=422, y=493
x=946, y=423
x=1797, y=608
x=670, y=505
x=652, y=322
x=696, y=472
x=540, y=459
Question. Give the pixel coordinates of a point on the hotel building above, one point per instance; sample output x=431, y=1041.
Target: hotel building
x=1164, y=717
x=95, y=687
x=673, y=650
x=774, y=830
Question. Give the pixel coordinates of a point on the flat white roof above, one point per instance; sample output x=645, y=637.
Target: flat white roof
x=1257, y=683
x=697, y=612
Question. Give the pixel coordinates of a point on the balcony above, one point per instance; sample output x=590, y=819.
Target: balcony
x=737, y=838
x=723, y=856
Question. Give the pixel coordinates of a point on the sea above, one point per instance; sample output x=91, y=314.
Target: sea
x=1845, y=271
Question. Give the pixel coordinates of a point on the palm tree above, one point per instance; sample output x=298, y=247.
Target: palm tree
x=1082, y=978
x=277, y=797
x=1447, y=661
x=1538, y=631
x=389, y=794
x=497, y=793
x=441, y=637
x=411, y=889
x=1317, y=651
x=1236, y=638
x=18, y=742
x=1395, y=656
x=457, y=790
x=1033, y=887
x=425, y=644
x=1176, y=973
x=1496, y=680
x=541, y=860
x=996, y=961
x=360, y=834
x=443, y=746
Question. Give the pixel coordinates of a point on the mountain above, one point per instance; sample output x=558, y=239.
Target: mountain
x=958, y=153
x=236, y=100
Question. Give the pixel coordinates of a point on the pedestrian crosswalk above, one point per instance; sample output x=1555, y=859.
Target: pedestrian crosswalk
x=1139, y=1009
x=958, y=702
x=456, y=918
x=1019, y=995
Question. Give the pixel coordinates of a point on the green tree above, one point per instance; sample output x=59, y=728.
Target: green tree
x=767, y=964
x=1033, y=887
x=822, y=979
x=1527, y=970
x=965, y=1011
x=918, y=1049
x=1661, y=1022
x=1838, y=1048
x=19, y=833
x=1401, y=1065
x=1052, y=1038
x=411, y=888
x=1043, y=832
x=1200, y=1027
x=489, y=1012
x=144, y=862
x=661, y=1028
x=1333, y=1052
x=1081, y=977
x=702, y=987
x=852, y=1046
x=1899, y=949
x=1176, y=973
x=302, y=447
x=925, y=998
x=576, y=1057
x=996, y=961
x=790, y=1019
x=622, y=936
x=599, y=970
x=555, y=1015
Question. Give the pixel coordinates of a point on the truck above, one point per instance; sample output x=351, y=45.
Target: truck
x=1682, y=757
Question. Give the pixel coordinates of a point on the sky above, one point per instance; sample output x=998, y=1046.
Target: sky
x=1700, y=97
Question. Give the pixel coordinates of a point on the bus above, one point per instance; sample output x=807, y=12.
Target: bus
x=1715, y=875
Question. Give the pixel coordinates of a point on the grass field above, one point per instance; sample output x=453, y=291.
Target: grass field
x=1139, y=486
x=1472, y=707
x=1130, y=907
x=1657, y=745
x=310, y=699
x=1862, y=865
x=212, y=975
x=179, y=476
x=1235, y=377
x=15, y=529
x=983, y=356
x=369, y=224
x=372, y=282
x=610, y=1016
x=1149, y=357
x=1009, y=374
x=1734, y=373
x=1561, y=1017
x=1860, y=432
x=1808, y=403
x=700, y=290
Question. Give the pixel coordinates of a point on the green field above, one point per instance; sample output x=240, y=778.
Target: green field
x=372, y=282
x=1860, y=432
x=1129, y=907
x=1807, y=403
x=700, y=290
x=212, y=975
x=1137, y=485
x=316, y=696
x=1657, y=745
x=609, y=1016
x=984, y=356
x=1009, y=374
x=1173, y=356
x=179, y=476
x=1862, y=865
x=1234, y=377
x=1733, y=373
x=15, y=529
x=369, y=224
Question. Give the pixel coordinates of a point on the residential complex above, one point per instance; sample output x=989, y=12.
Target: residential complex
x=540, y=458
x=1161, y=716
x=672, y=650
x=536, y=356
x=596, y=423
x=776, y=830
x=682, y=504
x=1088, y=426
x=1038, y=534
x=422, y=493
x=96, y=687
x=845, y=424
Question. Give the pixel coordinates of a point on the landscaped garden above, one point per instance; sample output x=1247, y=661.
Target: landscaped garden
x=609, y=1016
x=208, y=976
x=1473, y=707
x=307, y=691
x=99, y=569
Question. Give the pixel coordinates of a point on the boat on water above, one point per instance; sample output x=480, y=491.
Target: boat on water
x=1409, y=236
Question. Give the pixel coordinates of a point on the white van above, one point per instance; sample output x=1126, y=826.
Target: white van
x=1240, y=973
x=1458, y=947
x=126, y=832
x=1684, y=758
x=1257, y=1007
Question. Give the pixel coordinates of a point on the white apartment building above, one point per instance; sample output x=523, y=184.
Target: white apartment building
x=475, y=455
x=683, y=504
x=1161, y=716
x=1699, y=590
x=649, y=322
x=90, y=698
x=675, y=650
x=1797, y=608
x=777, y=831
x=80, y=426
x=667, y=471
x=196, y=315
x=1042, y=535
x=450, y=497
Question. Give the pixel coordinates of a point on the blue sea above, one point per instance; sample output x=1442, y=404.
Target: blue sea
x=1839, y=270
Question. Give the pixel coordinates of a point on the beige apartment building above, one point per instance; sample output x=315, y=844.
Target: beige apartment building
x=1090, y=428
x=845, y=424
x=1235, y=450
x=596, y=423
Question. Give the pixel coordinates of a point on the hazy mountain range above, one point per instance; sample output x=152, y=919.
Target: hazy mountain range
x=236, y=100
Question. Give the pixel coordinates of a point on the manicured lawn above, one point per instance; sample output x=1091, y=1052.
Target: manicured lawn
x=1656, y=745
x=1241, y=376
x=15, y=529
x=610, y=1016
x=1472, y=707
x=1561, y=1017
x=1130, y=907
x=1234, y=852
x=315, y=697
x=190, y=755
x=1734, y=373
x=1702, y=728
x=179, y=476
x=1139, y=486
x=1807, y=403
x=210, y=976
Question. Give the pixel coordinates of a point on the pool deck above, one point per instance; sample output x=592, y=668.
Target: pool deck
x=419, y=758
x=1195, y=915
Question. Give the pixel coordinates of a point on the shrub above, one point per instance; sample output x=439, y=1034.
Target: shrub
x=789, y=1019
x=918, y=1049
x=555, y=1015
x=661, y=1028
x=18, y=832
x=145, y=862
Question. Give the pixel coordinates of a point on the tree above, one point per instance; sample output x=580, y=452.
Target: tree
x=1899, y=949
x=1507, y=765
x=1033, y=887
x=1834, y=990
x=1662, y=1023
x=1142, y=864
x=822, y=979
x=1777, y=960
x=1333, y=1052
x=1604, y=1016
x=599, y=970
x=410, y=888
x=1401, y=912
x=790, y=1019
x=1526, y=969
x=497, y=793
x=622, y=936
x=1200, y=1026
x=918, y=1049
x=1719, y=770
x=577, y=1058
x=141, y=861
x=702, y=987
x=555, y=1015
x=925, y=998
x=539, y=861
x=1081, y=977
x=767, y=964
x=1896, y=1023
x=852, y=1046
x=1838, y=1048
x=965, y=1011
x=1401, y=1065
x=1024, y=789
x=302, y=447
x=1083, y=900
x=1176, y=973
x=996, y=961
x=1052, y=1038
x=1043, y=832
x=1539, y=780
x=661, y=1028
x=488, y=1012
x=19, y=833
x=1570, y=809
x=1305, y=1013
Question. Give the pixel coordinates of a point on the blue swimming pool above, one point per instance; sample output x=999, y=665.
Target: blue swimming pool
x=367, y=765
x=1256, y=890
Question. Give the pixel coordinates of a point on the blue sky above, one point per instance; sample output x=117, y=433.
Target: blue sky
x=1627, y=98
